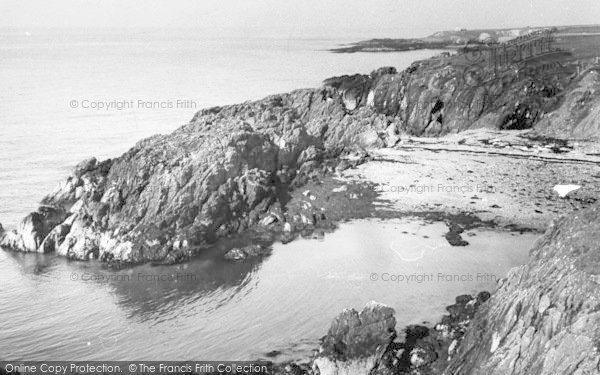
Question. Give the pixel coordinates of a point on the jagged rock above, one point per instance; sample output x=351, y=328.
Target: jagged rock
x=245, y=252
x=236, y=254
x=254, y=250
x=356, y=341
x=85, y=166
x=216, y=176
x=33, y=229
x=422, y=354
x=354, y=89
x=545, y=316
x=55, y=238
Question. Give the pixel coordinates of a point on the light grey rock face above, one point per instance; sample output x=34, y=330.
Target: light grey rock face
x=33, y=229
x=545, y=317
x=578, y=115
x=250, y=251
x=356, y=342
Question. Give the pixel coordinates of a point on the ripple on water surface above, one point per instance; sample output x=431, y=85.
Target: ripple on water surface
x=211, y=309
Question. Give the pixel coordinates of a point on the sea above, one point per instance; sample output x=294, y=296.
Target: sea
x=69, y=94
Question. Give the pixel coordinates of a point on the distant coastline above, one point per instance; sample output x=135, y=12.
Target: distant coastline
x=566, y=37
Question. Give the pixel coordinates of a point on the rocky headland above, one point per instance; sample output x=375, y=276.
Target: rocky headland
x=297, y=163
x=235, y=169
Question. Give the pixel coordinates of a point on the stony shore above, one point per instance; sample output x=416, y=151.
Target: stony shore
x=427, y=141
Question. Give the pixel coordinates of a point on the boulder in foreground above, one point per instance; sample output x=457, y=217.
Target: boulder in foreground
x=356, y=341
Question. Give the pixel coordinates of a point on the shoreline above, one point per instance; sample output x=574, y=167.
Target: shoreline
x=385, y=145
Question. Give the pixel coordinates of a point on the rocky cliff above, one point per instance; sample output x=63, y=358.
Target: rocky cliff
x=231, y=167
x=545, y=316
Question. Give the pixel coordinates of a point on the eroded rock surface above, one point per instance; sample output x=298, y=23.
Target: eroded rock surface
x=545, y=316
x=171, y=195
x=357, y=342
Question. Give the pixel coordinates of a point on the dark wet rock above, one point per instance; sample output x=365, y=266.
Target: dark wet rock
x=415, y=332
x=356, y=342
x=483, y=296
x=273, y=353
x=453, y=236
x=545, y=316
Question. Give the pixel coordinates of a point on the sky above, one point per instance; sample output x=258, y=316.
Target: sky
x=401, y=18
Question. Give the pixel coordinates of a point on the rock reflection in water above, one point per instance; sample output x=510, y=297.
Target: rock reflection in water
x=214, y=309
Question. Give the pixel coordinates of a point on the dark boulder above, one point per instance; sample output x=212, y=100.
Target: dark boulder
x=356, y=342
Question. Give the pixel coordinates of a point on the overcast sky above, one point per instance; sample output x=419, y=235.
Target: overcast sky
x=300, y=17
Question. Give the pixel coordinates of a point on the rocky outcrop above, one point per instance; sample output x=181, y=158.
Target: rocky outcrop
x=367, y=343
x=448, y=94
x=226, y=171
x=231, y=168
x=357, y=342
x=34, y=229
x=250, y=251
x=578, y=116
x=545, y=316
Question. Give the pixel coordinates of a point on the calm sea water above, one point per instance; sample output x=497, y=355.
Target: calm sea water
x=208, y=309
